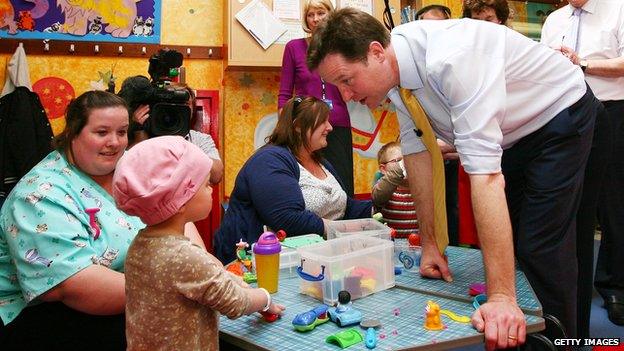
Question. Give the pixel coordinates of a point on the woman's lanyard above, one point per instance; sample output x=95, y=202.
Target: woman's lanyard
x=323, y=97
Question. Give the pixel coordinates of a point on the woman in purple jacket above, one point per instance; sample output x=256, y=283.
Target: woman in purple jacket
x=297, y=79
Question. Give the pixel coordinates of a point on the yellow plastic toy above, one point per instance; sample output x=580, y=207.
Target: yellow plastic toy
x=455, y=317
x=368, y=284
x=432, y=317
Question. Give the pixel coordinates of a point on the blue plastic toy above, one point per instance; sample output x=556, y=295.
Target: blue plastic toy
x=309, y=320
x=479, y=300
x=344, y=314
x=370, y=339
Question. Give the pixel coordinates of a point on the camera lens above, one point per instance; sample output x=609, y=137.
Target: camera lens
x=169, y=119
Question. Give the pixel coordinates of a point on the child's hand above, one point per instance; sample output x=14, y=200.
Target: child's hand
x=396, y=175
x=276, y=309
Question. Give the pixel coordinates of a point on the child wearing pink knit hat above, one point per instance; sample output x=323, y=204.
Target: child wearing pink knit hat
x=175, y=290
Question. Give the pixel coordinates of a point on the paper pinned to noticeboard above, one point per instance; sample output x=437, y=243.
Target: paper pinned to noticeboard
x=260, y=23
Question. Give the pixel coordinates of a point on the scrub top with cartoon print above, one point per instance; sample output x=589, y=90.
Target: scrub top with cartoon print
x=56, y=222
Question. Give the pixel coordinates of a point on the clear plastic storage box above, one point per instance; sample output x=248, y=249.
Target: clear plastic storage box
x=365, y=226
x=289, y=257
x=406, y=256
x=360, y=264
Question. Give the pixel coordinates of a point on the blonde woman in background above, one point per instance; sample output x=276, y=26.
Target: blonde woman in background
x=297, y=79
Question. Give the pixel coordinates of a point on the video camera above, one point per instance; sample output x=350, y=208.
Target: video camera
x=169, y=112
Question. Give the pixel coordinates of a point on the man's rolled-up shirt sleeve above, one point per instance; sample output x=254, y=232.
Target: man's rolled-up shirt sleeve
x=477, y=97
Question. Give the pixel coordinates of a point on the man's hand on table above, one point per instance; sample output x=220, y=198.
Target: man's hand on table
x=433, y=264
x=502, y=322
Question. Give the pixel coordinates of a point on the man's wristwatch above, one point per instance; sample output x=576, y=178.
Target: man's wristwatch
x=583, y=65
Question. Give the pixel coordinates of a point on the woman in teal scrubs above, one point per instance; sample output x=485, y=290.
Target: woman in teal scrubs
x=63, y=242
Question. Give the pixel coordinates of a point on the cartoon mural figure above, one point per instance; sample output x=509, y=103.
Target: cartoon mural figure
x=7, y=15
x=25, y=21
x=55, y=27
x=40, y=9
x=143, y=28
x=118, y=14
x=137, y=28
x=148, y=27
x=96, y=26
x=32, y=256
x=107, y=258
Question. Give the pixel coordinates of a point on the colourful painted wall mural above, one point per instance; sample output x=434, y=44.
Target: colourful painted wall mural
x=203, y=26
x=127, y=21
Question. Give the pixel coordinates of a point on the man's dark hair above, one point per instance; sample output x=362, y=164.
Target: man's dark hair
x=501, y=8
x=441, y=8
x=347, y=32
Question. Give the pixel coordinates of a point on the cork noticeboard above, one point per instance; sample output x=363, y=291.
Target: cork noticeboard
x=242, y=50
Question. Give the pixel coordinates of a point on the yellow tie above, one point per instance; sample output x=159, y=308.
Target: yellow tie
x=429, y=139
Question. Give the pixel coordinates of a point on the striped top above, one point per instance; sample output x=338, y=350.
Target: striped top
x=400, y=214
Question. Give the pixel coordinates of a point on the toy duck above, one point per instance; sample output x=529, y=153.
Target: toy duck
x=432, y=317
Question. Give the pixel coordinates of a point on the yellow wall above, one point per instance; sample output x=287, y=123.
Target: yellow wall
x=454, y=5
x=248, y=97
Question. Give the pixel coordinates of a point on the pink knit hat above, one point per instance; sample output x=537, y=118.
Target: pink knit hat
x=156, y=177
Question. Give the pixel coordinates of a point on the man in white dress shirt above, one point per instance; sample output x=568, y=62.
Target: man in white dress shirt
x=509, y=106
x=596, y=44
